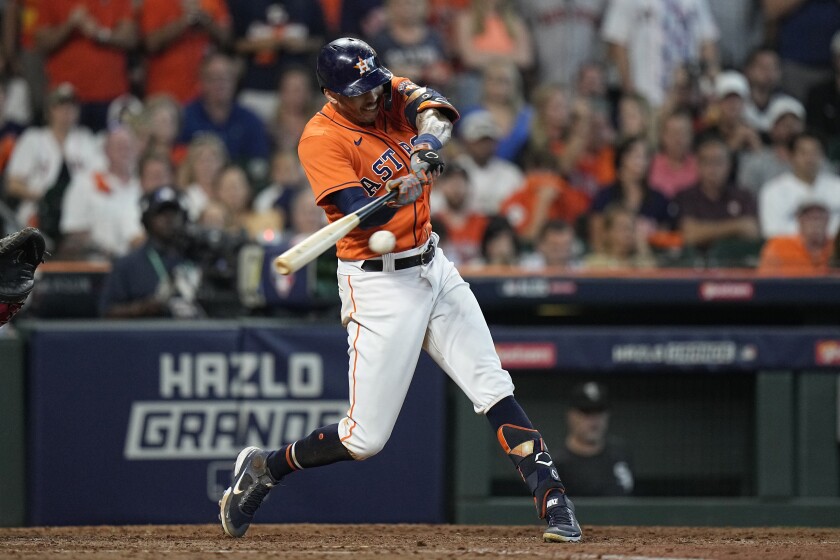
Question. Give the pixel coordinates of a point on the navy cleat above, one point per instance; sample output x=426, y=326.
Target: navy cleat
x=251, y=483
x=563, y=526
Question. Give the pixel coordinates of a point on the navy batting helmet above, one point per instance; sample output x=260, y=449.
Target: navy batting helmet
x=350, y=67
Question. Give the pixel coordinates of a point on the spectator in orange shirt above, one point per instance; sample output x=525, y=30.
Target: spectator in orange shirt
x=463, y=228
x=807, y=252
x=177, y=34
x=86, y=42
x=545, y=196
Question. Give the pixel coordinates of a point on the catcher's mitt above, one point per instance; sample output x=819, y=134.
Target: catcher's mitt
x=20, y=255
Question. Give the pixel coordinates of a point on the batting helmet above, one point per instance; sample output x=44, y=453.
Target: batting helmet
x=350, y=67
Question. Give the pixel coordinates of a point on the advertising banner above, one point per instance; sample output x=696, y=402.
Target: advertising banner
x=131, y=425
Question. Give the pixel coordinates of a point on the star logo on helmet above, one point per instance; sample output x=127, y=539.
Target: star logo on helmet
x=365, y=65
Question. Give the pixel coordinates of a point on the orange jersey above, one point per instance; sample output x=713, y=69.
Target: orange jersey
x=338, y=154
x=97, y=71
x=568, y=205
x=788, y=253
x=174, y=69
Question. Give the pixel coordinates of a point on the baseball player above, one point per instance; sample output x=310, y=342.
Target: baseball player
x=20, y=255
x=377, y=133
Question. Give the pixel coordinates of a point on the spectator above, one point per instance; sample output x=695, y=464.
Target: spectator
x=234, y=192
x=649, y=41
x=805, y=63
x=725, y=116
x=591, y=85
x=741, y=29
x=100, y=216
x=287, y=178
x=20, y=19
x=295, y=106
x=764, y=75
x=9, y=132
x=633, y=117
x=674, y=167
x=490, y=31
x=499, y=244
x=648, y=208
x=594, y=463
x=564, y=26
x=409, y=47
x=206, y=156
x=624, y=244
x=715, y=209
x=552, y=114
x=556, y=248
x=155, y=171
x=305, y=218
x=787, y=117
x=272, y=36
x=780, y=197
x=17, y=106
x=823, y=105
x=492, y=179
x=462, y=227
x=216, y=111
x=46, y=159
x=360, y=18
x=86, y=44
x=160, y=124
x=503, y=98
x=808, y=251
x=587, y=155
x=156, y=279
x=177, y=34
x=545, y=196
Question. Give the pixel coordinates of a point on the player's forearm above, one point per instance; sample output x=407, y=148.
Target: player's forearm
x=432, y=121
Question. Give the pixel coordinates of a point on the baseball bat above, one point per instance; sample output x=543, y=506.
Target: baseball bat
x=310, y=248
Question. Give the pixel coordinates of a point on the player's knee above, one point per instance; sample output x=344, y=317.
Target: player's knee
x=366, y=447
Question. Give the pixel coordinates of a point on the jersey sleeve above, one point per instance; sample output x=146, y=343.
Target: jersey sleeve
x=413, y=99
x=327, y=166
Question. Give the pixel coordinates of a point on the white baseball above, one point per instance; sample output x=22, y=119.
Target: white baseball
x=382, y=241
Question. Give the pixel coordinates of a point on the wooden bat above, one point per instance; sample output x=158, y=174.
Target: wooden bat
x=310, y=248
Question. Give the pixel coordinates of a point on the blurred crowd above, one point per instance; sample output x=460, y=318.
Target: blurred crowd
x=594, y=134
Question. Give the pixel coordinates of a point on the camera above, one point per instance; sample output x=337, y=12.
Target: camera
x=215, y=252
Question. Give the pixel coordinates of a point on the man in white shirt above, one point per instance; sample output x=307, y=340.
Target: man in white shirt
x=780, y=197
x=650, y=39
x=568, y=28
x=101, y=213
x=492, y=179
x=47, y=158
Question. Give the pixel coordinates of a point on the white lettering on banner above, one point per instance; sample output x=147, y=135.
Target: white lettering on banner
x=676, y=353
x=238, y=374
x=248, y=408
x=220, y=429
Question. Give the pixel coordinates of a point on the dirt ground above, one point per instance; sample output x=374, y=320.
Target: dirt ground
x=415, y=541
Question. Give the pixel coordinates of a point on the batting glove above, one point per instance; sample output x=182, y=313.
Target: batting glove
x=410, y=188
x=425, y=158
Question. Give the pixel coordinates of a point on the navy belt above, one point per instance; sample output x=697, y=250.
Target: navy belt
x=406, y=262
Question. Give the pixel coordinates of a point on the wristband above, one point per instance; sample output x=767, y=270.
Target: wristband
x=429, y=139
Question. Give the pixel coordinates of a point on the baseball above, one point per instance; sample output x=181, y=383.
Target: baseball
x=382, y=241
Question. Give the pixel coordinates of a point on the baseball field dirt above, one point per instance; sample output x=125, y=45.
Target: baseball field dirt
x=415, y=541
